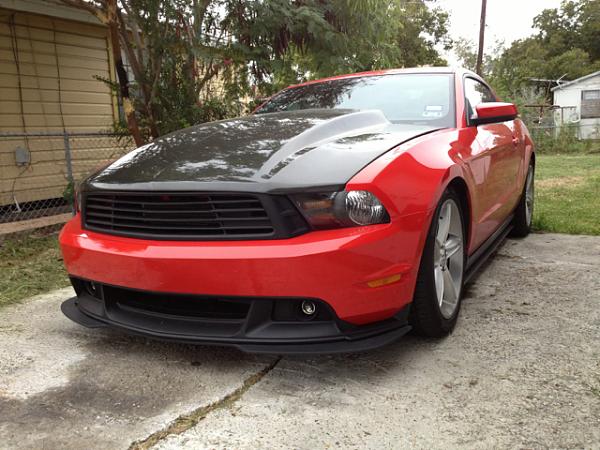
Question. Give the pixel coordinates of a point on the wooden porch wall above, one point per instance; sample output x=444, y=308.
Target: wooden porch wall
x=58, y=62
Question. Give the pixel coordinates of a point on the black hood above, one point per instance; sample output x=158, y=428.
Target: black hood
x=260, y=153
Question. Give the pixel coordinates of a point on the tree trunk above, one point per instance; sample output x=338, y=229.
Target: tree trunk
x=113, y=31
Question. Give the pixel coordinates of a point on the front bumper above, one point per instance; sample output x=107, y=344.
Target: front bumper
x=257, y=325
x=335, y=267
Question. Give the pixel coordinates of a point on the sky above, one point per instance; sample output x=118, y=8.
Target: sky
x=507, y=20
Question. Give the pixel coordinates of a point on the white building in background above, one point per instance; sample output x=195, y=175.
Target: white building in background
x=579, y=105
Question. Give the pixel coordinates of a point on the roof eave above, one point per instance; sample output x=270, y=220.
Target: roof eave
x=578, y=80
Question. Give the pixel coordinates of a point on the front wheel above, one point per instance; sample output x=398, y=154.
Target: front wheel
x=436, y=303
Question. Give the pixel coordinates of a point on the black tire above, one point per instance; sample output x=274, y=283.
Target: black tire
x=426, y=316
x=522, y=219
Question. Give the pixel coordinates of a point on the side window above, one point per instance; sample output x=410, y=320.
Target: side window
x=476, y=93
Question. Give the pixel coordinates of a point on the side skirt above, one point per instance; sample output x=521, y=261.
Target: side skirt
x=476, y=260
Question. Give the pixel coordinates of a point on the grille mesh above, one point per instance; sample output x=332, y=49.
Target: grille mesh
x=178, y=215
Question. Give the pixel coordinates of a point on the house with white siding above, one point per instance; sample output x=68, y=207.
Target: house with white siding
x=578, y=104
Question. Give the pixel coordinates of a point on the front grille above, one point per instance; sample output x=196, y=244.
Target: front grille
x=191, y=216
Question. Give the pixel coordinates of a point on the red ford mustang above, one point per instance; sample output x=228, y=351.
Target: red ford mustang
x=338, y=216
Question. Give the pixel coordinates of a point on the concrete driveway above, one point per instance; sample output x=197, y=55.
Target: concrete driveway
x=521, y=370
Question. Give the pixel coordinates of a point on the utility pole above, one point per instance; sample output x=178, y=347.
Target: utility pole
x=481, y=37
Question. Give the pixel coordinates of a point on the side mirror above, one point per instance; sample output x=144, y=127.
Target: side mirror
x=494, y=113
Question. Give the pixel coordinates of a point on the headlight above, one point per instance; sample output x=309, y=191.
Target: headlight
x=364, y=208
x=341, y=209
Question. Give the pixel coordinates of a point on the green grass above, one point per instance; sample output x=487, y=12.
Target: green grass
x=568, y=194
x=30, y=265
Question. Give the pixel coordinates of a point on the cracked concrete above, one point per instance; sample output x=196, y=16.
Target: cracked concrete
x=186, y=421
x=521, y=370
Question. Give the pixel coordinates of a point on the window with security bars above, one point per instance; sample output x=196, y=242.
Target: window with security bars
x=590, y=104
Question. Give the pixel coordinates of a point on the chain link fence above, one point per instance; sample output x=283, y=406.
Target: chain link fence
x=560, y=129
x=38, y=170
x=565, y=138
x=576, y=130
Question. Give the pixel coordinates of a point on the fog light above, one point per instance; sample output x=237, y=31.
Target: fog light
x=308, y=307
x=92, y=289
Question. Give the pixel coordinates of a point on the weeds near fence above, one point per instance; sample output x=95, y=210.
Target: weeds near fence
x=563, y=140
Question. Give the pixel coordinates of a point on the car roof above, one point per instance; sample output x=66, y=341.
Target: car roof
x=373, y=73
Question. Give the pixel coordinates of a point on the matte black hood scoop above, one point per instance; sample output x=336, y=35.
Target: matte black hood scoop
x=260, y=153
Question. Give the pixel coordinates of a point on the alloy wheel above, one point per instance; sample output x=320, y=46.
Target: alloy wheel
x=448, y=258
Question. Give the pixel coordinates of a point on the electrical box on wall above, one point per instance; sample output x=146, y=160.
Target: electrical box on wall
x=22, y=156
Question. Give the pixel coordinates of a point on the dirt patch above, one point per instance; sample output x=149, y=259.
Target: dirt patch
x=560, y=182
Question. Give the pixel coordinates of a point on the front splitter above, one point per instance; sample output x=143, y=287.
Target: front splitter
x=355, y=342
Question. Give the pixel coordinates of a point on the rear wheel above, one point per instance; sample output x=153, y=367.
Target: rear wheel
x=436, y=303
x=524, y=212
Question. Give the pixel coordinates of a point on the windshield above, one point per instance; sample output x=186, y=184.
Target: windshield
x=421, y=99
